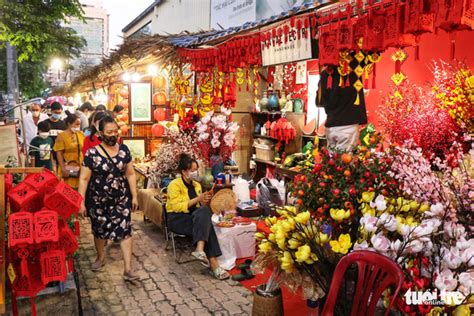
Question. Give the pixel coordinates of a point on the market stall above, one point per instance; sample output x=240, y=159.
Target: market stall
x=256, y=96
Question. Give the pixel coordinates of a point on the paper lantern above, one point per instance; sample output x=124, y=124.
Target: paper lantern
x=64, y=200
x=28, y=285
x=124, y=93
x=24, y=197
x=123, y=117
x=159, y=82
x=53, y=266
x=67, y=240
x=40, y=181
x=157, y=130
x=124, y=103
x=159, y=115
x=159, y=98
x=20, y=228
x=46, y=226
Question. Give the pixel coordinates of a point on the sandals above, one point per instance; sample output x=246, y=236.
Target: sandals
x=245, y=265
x=97, y=265
x=201, y=256
x=245, y=272
x=220, y=274
x=130, y=276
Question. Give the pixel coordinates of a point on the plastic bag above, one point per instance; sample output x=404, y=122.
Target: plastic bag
x=268, y=196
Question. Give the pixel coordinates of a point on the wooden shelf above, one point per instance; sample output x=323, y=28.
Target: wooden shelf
x=264, y=136
x=313, y=136
x=270, y=163
x=286, y=172
x=276, y=113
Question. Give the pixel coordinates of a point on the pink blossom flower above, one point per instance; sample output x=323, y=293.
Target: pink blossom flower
x=436, y=210
x=380, y=204
x=414, y=246
x=380, y=243
x=388, y=221
x=207, y=118
x=466, y=282
x=362, y=246
x=215, y=143
x=452, y=259
x=369, y=223
x=446, y=281
x=229, y=139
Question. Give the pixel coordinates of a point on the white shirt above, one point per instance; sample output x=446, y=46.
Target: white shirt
x=31, y=130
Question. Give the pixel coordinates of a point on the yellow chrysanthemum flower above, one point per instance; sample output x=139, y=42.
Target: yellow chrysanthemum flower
x=264, y=247
x=303, y=253
x=287, y=263
x=368, y=197
x=342, y=245
x=339, y=214
x=303, y=218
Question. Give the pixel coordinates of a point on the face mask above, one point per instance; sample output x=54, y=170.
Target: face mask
x=35, y=113
x=109, y=140
x=194, y=175
x=87, y=133
x=75, y=129
x=43, y=135
x=55, y=116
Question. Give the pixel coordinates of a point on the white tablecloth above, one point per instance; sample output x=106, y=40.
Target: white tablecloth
x=236, y=242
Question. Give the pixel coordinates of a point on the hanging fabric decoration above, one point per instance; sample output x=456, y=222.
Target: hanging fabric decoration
x=328, y=50
x=419, y=19
x=374, y=37
x=344, y=29
x=393, y=32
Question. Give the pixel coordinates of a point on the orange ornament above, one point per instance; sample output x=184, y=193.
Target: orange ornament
x=124, y=93
x=124, y=117
x=159, y=98
x=159, y=82
x=346, y=158
x=157, y=130
x=124, y=130
x=159, y=115
x=124, y=103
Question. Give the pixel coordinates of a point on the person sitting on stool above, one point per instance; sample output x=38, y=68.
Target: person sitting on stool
x=190, y=216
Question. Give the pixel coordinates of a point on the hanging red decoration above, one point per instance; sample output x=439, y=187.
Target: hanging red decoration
x=159, y=114
x=46, y=226
x=41, y=181
x=393, y=32
x=374, y=40
x=24, y=197
x=157, y=130
x=20, y=230
x=53, y=266
x=345, y=28
x=328, y=51
x=67, y=239
x=64, y=200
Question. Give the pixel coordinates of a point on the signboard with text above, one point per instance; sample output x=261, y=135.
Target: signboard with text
x=228, y=13
x=291, y=46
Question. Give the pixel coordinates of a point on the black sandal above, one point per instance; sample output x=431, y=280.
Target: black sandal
x=245, y=265
x=245, y=274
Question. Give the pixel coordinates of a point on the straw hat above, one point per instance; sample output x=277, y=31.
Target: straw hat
x=223, y=200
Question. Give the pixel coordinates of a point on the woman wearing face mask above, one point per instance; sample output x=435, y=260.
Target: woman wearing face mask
x=189, y=215
x=92, y=139
x=109, y=178
x=68, y=148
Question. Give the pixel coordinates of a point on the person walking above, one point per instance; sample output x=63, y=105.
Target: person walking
x=92, y=139
x=55, y=122
x=68, y=148
x=108, y=186
x=31, y=122
x=84, y=112
x=41, y=147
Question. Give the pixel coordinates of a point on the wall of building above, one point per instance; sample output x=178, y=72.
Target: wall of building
x=174, y=17
x=143, y=22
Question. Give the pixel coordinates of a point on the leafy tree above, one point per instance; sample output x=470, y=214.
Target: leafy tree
x=36, y=28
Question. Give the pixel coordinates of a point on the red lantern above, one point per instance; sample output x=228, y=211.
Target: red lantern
x=124, y=92
x=329, y=53
x=159, y=98
x=53, y=266
x=46, y=226
x=159, y=115
x=41, y=181
x=24, y=197
x=124, y=117
x=20, y=228
x=64, y=200
x=67, y=240
x=157, y=130
x=28, y=285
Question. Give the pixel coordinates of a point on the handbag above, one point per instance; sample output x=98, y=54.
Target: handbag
x=73, y=167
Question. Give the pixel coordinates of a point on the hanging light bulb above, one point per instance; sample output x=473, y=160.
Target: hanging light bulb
x=135, y=77
x=153, y=70
x=126, y=77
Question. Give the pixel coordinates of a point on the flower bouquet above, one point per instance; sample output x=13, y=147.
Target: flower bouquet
x=216, y=136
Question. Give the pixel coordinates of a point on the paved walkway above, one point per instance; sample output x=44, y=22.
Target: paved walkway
x=166, y=287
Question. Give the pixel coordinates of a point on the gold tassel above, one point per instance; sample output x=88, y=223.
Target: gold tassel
x=341, y=83
x=357, y=101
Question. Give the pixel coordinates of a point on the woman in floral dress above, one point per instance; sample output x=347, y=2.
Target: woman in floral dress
x=108, y=186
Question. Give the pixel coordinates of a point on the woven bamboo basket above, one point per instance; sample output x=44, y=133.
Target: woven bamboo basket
x=267, y=304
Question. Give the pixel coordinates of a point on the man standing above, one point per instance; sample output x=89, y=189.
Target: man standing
x=56, y=123
x=31, y=121
x=84, y=112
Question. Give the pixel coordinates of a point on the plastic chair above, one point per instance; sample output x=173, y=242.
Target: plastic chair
x=169, y=234
x=375, y=274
